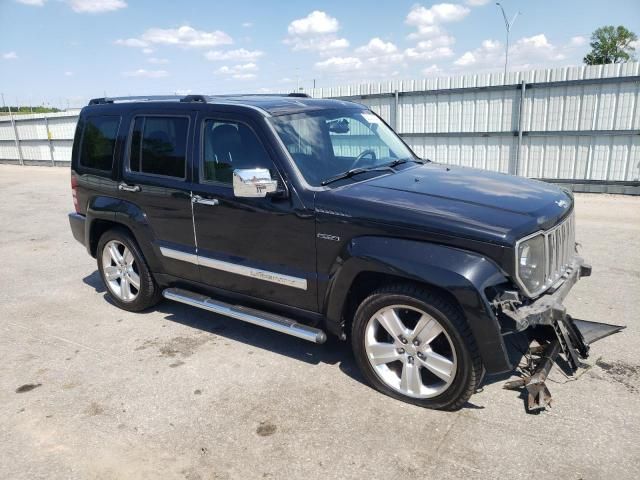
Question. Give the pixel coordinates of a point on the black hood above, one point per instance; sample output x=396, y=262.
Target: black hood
x=478, y=204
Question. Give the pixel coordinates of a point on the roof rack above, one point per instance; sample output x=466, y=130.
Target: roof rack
x=187, y=98
x=149, y=98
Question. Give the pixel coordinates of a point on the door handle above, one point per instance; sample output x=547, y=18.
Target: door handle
x=129, y=188
x=205, y=201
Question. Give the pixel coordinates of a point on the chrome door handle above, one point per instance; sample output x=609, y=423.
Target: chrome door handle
x=129, y=188
x=205, y=201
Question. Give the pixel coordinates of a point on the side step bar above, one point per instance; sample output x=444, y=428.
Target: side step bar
x=249, y=315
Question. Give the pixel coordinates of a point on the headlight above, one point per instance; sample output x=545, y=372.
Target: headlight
x=530, y=264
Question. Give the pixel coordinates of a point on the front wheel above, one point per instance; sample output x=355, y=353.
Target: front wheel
x=414, y=345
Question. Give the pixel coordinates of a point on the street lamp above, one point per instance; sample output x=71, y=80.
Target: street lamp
x=508, y=24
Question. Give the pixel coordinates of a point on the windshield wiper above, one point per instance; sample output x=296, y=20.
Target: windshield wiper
x=355, y=171
x=400, y=161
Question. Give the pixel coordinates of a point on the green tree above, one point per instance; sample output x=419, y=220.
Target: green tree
x=611, y=45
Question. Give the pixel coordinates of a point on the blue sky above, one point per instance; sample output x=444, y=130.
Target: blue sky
x=66, y=51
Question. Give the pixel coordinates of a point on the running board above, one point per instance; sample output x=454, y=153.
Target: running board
x=249, y=315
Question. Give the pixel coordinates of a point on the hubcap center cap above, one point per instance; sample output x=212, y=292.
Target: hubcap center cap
x=410, y=349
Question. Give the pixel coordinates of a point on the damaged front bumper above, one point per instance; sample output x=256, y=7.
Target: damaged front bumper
x=549, y=308
x=562, y=335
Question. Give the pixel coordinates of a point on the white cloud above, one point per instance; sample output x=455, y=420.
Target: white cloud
x=428, y=54
x=247, y=24
x=10, y=56
x=378, y=54
x=84, y=6
x=96, y=6
x=428, y=20
x=376, y=47
x=315, y=32
x=323, y=45
x=141, y=72
x=244, y=71
x=247, y=67
x=240, y=54
x=340, y=64
x=468, y=58
x=131, y=42
x=431, y=71
x=489, y=52
x=33, y=3
x=158, y=61
x=317, y=22
x=527, y=52
x=536, y=48
x=477, y=3
x=578, y=41
x=68, y=74
x=184, y=36
x=244, y=76
x=437, y=47
x=147, y=51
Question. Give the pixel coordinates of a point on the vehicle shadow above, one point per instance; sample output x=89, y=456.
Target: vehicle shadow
x=332, y=352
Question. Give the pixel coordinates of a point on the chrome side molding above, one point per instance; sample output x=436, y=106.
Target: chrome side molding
x=249, y=315
x=267, y=276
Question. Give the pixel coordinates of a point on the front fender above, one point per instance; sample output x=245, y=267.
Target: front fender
x=463, y=274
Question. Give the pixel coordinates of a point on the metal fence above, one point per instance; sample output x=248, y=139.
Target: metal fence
x=578, y=125
x=38, y=139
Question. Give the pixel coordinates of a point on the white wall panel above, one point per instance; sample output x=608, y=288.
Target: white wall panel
x=491, y=114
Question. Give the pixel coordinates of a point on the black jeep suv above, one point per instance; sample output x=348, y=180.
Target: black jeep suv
x=308, y=216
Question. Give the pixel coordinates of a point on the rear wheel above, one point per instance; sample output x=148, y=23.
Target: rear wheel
x=414, y=345
x=125, y=272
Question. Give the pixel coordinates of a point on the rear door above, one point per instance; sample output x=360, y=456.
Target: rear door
x=156, y=177
x=260, y=247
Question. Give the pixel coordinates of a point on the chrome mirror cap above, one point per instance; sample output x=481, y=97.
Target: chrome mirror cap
x=253, y=182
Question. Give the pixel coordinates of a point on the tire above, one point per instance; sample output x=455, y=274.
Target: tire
x=430, y=359
x=127, y=279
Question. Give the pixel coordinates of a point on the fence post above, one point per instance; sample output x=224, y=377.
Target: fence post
x=523, y=87
x=46, y=124
x=396, y=116
x=15, y=132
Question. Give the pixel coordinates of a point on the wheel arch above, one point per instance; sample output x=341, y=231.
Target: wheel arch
x=105, y=213
x=461, y=276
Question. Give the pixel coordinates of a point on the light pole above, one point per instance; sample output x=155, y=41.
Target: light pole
x=508, y=24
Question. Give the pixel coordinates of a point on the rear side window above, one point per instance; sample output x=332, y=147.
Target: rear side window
x=158, y=146
x=98, y=142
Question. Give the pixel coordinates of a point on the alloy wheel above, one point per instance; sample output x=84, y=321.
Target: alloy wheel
x=120, y=271
x=410, y=351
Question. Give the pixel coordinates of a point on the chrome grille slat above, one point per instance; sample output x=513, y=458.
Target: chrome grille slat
x=560, y=249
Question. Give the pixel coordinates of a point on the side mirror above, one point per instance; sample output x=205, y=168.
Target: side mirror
x=253, y=183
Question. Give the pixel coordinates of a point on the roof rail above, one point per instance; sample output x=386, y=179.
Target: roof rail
x=236, y=95
x=149, y=98
x=194, y=98
x=187, y=98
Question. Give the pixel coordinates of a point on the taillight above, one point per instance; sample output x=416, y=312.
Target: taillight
x=74, y=192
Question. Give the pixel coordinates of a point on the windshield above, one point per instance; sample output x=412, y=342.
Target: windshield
x=330, y=142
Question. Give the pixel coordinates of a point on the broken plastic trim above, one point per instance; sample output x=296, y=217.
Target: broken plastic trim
x=573, y=338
